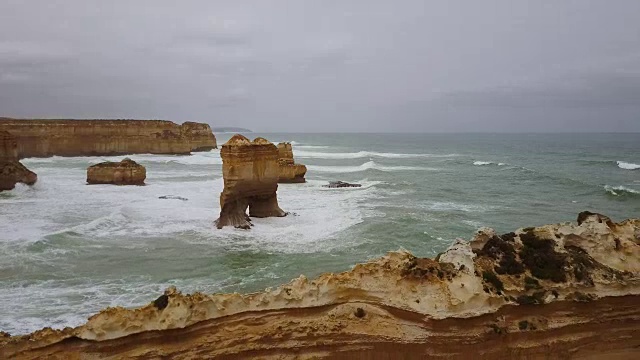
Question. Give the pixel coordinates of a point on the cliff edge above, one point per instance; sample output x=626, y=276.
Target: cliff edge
x=44, y=138
x=561, y=289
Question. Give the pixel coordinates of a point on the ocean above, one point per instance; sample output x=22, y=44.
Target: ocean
x=68, y=249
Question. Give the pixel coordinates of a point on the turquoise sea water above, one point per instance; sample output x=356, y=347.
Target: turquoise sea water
x=68, y=249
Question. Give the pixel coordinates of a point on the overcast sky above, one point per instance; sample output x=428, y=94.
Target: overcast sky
x=506, y=66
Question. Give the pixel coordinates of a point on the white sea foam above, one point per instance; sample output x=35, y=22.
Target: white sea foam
x=365, y=154
x=627, y=166
x=369, y=165
x=620, y=190
x=453, y=206
x=198, y=158
x=484, y=163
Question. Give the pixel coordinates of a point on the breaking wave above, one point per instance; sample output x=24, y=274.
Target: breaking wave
x=365, y=154
x=621, y=190
x=627, y=166
x=369, y=165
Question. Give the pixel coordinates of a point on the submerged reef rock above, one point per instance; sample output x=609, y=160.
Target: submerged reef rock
x=44, y=138
x=341, y=184
x=125, y=172
x=565, y=289
x=250, y=172
x=11, y=170
x=288, y=170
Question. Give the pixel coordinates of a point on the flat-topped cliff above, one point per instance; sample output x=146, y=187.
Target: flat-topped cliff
x=563, y=290
x=44, y=137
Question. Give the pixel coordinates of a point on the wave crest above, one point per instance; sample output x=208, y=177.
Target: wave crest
x=627, y=166
x=483, y=163
x=365, y=154
x=369, y=165
x=621, y=190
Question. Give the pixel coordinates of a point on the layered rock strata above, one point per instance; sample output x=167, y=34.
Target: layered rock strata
x=288, y=170
x=250, y=173
x=44, y=138
x=11, y=170
x=564, y=289
x=125, y=172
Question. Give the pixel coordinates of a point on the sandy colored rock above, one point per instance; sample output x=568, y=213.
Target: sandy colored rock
x=490, y=303
x=43, y=138
x=288, y=170
x=8, y=146
x=250, y=172
x=125, y=172
x=11, y=170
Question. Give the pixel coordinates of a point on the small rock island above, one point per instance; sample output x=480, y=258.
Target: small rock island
x=289, y=171
x=125, y=172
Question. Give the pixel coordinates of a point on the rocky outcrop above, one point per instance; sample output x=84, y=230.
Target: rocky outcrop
x=340, y=184
x=43, y=138
x=560, y=289
x=11, y=170
x=125, y=172
x=288, y=170
x=250, y=172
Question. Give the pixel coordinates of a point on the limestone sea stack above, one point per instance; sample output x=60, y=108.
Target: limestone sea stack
x=250, y=172
x=562, y=290
x=125, y=172
x=44, y=138
x=289, y=171
x=11, y=170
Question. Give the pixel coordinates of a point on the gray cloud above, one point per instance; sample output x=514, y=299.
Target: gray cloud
x=327, y=66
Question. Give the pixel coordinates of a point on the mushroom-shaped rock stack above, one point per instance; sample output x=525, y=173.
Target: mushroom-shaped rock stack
x=11, y=170
x=289, y=171
x=126, y=172
x=250, y=172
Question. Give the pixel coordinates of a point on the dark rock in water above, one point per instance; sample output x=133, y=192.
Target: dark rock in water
x=172, y=197
x=583, y=216
x=341, y=184
x=161, y=302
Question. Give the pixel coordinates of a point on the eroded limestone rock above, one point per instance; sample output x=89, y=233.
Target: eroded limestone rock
x=44, y=138
x=250, y=172
x=11, y=170
x=125, y=172
x=399, y=305
x=288, y=170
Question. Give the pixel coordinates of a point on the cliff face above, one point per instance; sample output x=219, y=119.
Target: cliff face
x=250, y=172
x=11, y=170
x=8, y=146
x=43, y=138
x=561, y=289
x=288, y=170
x=126, y=172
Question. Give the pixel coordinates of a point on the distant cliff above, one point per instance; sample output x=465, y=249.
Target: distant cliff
x=43, y=138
